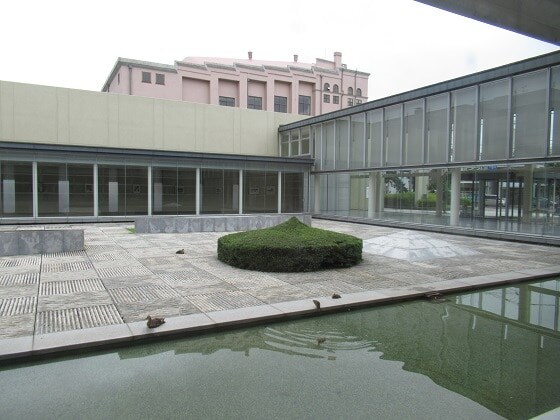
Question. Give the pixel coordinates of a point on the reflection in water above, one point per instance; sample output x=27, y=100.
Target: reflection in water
x=498, y=348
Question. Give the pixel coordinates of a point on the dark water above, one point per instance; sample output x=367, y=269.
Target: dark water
x=490, y=354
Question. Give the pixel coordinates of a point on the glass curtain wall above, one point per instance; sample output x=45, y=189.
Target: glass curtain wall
x=173, y=190
x=292, y=192
x=123, y=190
x=285, y=144
x=315, y=145
x=463, y=125
x=357, y=141
x=220, y=191
x=393, y=134
x=294, y=143
x=417, y=196
x=413, y=148
x=342, y=143
x=335, y=193
x=70, y=189
x=260, y=191
x=529, y=115
x=512, y=118
x=436, y=128
x=327, y=146
x=554, y=113
x=359, y=183
x=304, y=147
x=374, y=134
x=16, y=189
x=64, y=189
x=493, y=126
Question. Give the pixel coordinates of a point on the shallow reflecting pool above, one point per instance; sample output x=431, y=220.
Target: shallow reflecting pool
x=490, y=354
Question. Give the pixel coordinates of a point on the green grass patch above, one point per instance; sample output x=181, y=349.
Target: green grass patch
x=131, y=230
x=289, y=247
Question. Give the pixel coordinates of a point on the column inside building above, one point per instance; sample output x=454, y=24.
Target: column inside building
x=455, y=197
x=527, y=193
x=317, y=190
x=440, y=205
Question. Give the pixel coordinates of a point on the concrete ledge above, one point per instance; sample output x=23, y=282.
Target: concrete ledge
x=29, y=242
x=214, y=223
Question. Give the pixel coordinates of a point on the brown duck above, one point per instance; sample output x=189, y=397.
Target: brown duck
x=154, y=322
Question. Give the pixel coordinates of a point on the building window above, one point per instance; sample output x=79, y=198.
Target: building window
x=350, y=102
x=227, y=101
x=358, y=92
x=146, y=77
x=160, y=79
x=350, y=91
x=335, y=99
x=304, y=105
x=280, y=104
x=335, y=88
x=326, y=98
x=327, y=87
x=358, y=101
x=254, y=102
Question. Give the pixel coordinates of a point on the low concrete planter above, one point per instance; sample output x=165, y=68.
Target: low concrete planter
x=29, y=242
x=222, y=223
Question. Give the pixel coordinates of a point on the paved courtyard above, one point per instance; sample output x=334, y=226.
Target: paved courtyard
x=121, y=277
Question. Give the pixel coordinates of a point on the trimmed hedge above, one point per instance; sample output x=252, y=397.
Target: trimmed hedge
x=289, y=247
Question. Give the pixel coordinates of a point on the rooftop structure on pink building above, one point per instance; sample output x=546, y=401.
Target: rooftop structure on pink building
x=280, y=86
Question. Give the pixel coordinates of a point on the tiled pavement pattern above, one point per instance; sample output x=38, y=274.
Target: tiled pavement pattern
x=122, y=277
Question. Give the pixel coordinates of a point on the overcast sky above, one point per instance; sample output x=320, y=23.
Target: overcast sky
x=401, y=43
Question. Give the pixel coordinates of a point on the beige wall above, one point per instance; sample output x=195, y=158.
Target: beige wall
x=43, y=114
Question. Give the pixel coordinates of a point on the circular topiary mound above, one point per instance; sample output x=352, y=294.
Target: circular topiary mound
x=289, y=247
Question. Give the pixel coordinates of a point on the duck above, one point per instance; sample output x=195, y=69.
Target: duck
x=435, y=297
x=336, y=296
x=321, y=340
x=181, y=251
x=317, y=303
x=154, y=322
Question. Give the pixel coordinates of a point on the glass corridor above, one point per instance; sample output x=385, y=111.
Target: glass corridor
x=482, y=151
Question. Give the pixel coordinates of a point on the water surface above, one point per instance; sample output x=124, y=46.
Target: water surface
x=489, y=354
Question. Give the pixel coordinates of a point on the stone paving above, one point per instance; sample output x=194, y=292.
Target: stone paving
x=121, y=277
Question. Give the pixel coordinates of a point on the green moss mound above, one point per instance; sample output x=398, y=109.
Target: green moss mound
x=289, y=247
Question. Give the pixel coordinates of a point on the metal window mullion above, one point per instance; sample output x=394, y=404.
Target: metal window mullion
x=548, y=111
x=334, y=143
x=424, y=126
x=402, y=135
x=383, y=157
x=240, y=190
x=197, y=192
x=509, y=142
x=320, y=147
x=364, y=149
x=478, y=140
x=448, y=155
x=279, y=191
x=35, y=178
x=95, y=190
x=348, y=134
x=150, y=190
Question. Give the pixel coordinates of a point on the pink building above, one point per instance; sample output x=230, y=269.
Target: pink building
x=280, y=86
